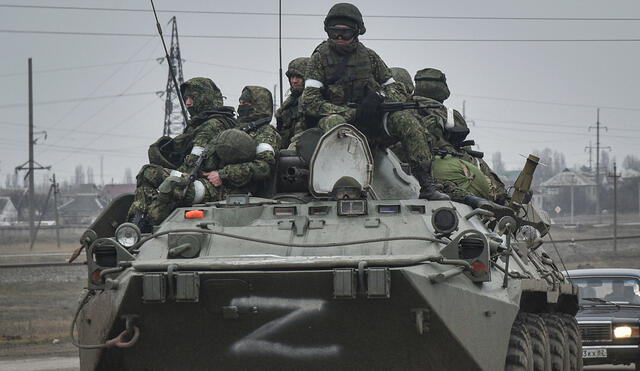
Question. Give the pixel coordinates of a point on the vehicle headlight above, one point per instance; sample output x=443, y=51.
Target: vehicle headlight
x=623, y=332
x=128, y=234
x=444, y=220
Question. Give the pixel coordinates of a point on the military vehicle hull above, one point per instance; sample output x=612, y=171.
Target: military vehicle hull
x=292, y=320
x=326, y=280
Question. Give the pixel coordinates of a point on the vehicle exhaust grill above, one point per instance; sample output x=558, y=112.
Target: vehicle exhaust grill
x=592, y=332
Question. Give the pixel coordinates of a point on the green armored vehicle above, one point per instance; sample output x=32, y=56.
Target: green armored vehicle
x=343, y=268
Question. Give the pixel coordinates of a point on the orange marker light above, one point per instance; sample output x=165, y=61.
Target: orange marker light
x=194, y=214
x=478, y=266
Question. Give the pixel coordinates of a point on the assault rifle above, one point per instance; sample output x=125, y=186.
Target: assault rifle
x=254, y=125
x=399, y=106
x=195, y=172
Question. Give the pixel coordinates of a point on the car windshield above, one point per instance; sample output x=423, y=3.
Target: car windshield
x=619, y=290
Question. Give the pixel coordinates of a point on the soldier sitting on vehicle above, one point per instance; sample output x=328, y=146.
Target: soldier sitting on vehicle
x=254, y=117
x=342, y=71
x=289, y=118
x=465, y=176
x=239, y=161
x=179, y=155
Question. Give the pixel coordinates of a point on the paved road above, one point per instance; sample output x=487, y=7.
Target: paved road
x=41, y=364
x=73, y=364
x=608, y=368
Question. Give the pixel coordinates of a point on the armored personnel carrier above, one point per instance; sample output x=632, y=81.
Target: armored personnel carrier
x=343, y=268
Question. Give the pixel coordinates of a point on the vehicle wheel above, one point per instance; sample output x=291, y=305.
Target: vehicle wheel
x=539, y=341
x=574, y=340
x=557, y=345
x=519, y=353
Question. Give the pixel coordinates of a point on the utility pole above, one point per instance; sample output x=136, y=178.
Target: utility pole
x=56, y=191
x=30, y=164
x=598, y=181
x=174, y=122
x=615, y=177
x=32, y=210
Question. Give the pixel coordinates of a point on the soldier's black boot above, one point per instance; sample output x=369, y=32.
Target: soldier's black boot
x=482, y=203
x=428, y=188
x=141, y=220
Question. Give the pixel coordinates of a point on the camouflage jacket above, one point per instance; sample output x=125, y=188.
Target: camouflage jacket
x=289, y=119
x=251, y=177
x=202, y=130
x=336, y=78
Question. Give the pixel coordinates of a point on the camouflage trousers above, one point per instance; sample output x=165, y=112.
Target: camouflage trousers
x=402, y=127
x=158, y=193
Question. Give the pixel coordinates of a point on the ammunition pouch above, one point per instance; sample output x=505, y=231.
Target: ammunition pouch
x=456, y=135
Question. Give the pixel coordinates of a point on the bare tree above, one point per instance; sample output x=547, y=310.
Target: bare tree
x=79, y=178
x=90, y=175
x=631, y=162
x=497, y=164
x=128, y=177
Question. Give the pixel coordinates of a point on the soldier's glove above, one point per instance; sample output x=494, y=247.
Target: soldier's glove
x=368, y=113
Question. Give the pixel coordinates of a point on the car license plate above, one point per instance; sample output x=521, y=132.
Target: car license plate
x=594, y=353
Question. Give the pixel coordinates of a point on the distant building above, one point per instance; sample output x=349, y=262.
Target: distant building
x=8, y=212
x=81, y=209
x=568, y=193
x=111, y=191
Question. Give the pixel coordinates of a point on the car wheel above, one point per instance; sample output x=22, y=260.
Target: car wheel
x=574, y=340
x=539, y=341
x=519, y=353
x=558, y=346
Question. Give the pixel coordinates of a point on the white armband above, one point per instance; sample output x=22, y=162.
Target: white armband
x=311, y=83
x=264, y=147
x=390, y=81
x=450, y=121
x=198, y=188
x=197, y=150
x=176, y=173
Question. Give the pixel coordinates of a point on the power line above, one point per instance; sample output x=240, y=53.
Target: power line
x=237, y=37
x=184, y=11
x=546, y=102
x=61, y=69
x=57, y=101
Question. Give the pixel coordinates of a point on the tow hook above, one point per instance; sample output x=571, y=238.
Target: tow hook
x=130, y=330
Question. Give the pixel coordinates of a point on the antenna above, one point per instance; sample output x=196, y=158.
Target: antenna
x=280, y=46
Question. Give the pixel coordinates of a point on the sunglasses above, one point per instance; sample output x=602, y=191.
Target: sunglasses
x=340, y=32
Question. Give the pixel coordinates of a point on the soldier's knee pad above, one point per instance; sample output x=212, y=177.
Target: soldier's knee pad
x=331, y=121
x=152, y=175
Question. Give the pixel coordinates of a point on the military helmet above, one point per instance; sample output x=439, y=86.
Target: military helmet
x=347, y=14
x=234, y=146
x=431, y=83
x=402, y=76
x=298, y=67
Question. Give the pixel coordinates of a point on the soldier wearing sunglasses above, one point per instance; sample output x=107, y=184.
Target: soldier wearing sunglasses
x=342, y=73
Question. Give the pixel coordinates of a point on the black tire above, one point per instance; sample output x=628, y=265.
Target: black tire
x=557, y=344
x=574, y=341
x=539, y=341
x=519, y=353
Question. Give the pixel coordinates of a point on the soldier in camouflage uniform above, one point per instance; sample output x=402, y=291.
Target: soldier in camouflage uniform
x=255, y=110
x=179, y=155
x=341, y=71
x=465, y=178
x=239, y=161
x=403, y=76
x=289, y=118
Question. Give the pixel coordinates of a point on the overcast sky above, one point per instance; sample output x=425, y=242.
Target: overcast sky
x=507, y=85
